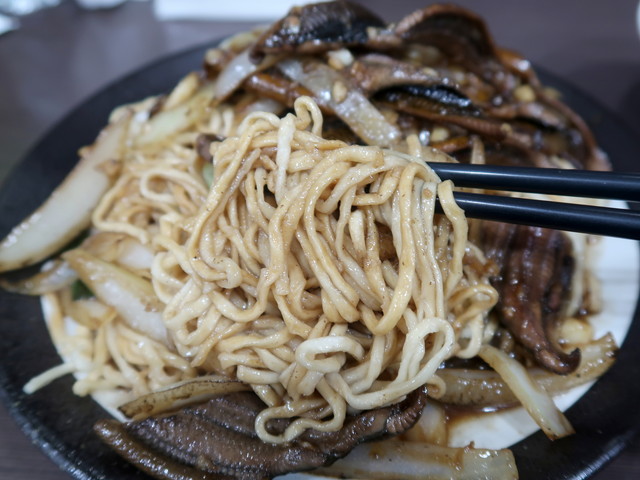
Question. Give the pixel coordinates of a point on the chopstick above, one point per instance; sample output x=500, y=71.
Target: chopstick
x=613, y=222
x=553, y=181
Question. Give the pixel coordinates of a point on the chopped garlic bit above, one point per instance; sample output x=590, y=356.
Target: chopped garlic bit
x=439, y=134
x=339, y=91
x=524, y=93
x=430, y=71
x=338, y=59
x=574, y=331
x=292, y=25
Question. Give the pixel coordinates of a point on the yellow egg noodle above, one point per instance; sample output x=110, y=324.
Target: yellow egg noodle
x=280, y=277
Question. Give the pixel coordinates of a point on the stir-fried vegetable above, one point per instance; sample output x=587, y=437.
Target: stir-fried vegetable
x=533, y=398
x=487, y=389
x=62, y=217
x=132, y=296
x=384, y=460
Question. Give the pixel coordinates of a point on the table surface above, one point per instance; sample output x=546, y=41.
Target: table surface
x=61, y=55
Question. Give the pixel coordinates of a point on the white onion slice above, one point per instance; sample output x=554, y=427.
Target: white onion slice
x=132, y=297
x=534, y=399
x=167, y=123
x=331, y=90
x=485, y=388
x=61, y=217
x=233, y=74
x=57, y=275
x=237, y=71
x=419, y=461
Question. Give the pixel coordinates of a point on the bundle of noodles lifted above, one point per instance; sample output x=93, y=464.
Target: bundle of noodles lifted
x=317, y=274
x=272, y=277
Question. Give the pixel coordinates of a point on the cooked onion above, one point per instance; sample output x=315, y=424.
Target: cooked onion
x=350, y=105
x=184, y=393
x=169, y=122
x=234, y=74
x=533, y=398
x=56, y=276
x=61, y=217
x=132, y=296
x=486, y=388
x=385, y=461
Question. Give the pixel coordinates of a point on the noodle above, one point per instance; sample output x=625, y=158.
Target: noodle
x=284, y=276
